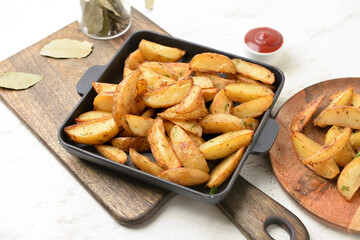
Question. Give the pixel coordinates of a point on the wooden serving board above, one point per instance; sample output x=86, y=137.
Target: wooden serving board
x=44, y=107
x=316, y=194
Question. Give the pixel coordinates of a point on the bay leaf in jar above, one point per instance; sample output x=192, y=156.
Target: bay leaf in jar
x=93, y=17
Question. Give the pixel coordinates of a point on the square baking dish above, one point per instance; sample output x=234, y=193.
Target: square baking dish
x=263, y=137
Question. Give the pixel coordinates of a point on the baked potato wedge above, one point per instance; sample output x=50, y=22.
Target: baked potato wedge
x=185, y=176
x=221, y=103
x=152, y=51
x=355, y=100
x=226, y=144
x=244, y=79
x=144, y=163
x=104, y=101
x=209, y=93
x=203, y=82
x=153, y=79
x=254, y=71
x=212, y=62
x=100, y=87
x=221, y=123
x=91, y=115
x=331, y=148
x=305, y=113
x=113, y=153
x=217, y=81
x=168, y=95
x=189, y=126
x=140, y=144
x=305, y=147
x=140, y=126
x=355, y=140
x=161, y=148
x=186, y=150
x=160, y=68
x=349, y=180
x=134, y=60
x=180, y=69
x=97, y=131
x=242, y=92
x=225, y=168
x=253, y=108
x=191, y=101
x=342, y=116
x=172, y=114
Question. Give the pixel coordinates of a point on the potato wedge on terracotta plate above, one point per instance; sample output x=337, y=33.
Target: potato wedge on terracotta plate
x=152, y=51
x=342, y=116
x=349, y=179
x=185, y=176
x=186, y=150
x=113, y=153
x=355, y=100
x=254, y=71
x=161, y=148
x=305, y=113
x=305, y=147
x=93, y=132
x=225, y=168
x=212, y=62
x=331, y=148
x=144, y=163
x=225, y=144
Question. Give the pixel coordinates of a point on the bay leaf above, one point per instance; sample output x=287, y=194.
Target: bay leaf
x=19, y=80
x=149, y=4
x=93, y=17
x=66, y=48
x=107, y=4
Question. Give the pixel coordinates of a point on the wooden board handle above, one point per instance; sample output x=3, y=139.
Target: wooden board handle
x=252, y=211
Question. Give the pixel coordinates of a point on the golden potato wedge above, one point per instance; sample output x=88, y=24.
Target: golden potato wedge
x=198, y=140
x=140, y=126
x=212, y=62
x=225, y=144
x=349, y=179
x=104, y=101
x=124, y=98
x=203, y=82
x=93, y=132
x=180, y=69
x=191, y=101
x=168, y=95
x=160, y=68
x=250, y=123
x=171, y=113
x=153, y=79
x=185, y=176
x=144, y=163
x=134, y=60
x=100, y=87
x=221, y=103
x=140, y=144
x=305, y=113
x=355, y=100
x=189, y=126
x=217, y=81
x=253, y=108
x=355, y=140
x=113, y=153
x=161, y=148
x=150, y=113
x=126, y=72
x=186, y=150
x=242, y=92
x=337, y=99
x=305, y=147
x=91, y=115
x=331, y=148
x=225, y=168
x=152, y=51
x=344, y=156
x=209, y=93
x=342, y=116
x=244, y=79
x=221, y=123
x=254, y=71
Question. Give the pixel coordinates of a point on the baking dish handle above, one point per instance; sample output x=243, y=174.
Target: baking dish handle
x=266, y=138
x=91, y=75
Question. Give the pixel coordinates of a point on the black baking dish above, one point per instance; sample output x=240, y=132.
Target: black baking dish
x=112, y=73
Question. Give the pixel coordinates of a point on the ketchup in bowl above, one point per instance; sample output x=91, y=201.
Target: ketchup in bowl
x=264, y=40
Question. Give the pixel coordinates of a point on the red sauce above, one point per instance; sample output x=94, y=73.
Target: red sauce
x=264, y=40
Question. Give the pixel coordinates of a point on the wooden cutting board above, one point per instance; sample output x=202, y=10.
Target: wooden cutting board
x=44, y=107
x=316, y=194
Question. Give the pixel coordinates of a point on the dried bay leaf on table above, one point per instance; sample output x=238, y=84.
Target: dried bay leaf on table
x=19, y=80
x=67, y=48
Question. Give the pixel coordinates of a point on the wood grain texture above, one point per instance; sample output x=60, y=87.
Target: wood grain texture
x=252, y=212
x=314, y=193
x=44, y=106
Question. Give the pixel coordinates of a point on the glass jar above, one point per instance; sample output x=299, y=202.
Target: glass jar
x=105, y=19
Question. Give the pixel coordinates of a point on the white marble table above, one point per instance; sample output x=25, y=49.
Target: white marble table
x=40, y=199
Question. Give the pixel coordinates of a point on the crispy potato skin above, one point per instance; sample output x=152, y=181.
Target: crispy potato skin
x=140, y=144
x=156, y=52
x=349, y=179
x=212, y=62
x=254, y=71
x=185, y=176
x=113, y=153
x=144, y=163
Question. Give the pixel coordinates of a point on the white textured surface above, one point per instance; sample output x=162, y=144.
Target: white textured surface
x=40, y=199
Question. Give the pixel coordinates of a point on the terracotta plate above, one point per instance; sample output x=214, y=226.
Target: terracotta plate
x=316, y=194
